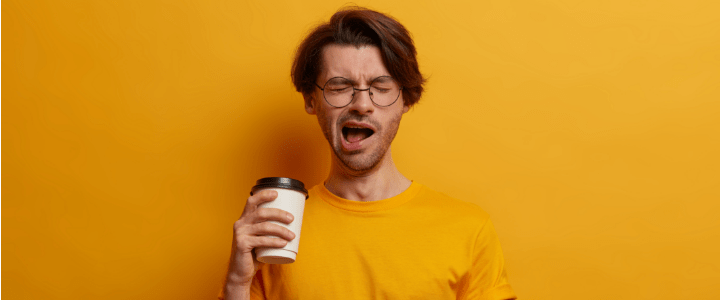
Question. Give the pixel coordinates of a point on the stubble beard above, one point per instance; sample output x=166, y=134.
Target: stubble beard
x=357, y=161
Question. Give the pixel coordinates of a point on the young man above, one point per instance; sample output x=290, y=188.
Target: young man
x=368, y=232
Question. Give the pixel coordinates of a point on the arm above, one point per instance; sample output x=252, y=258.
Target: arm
x=256, y=291
x=487, y=278
x=249, y=232
x=236, y=292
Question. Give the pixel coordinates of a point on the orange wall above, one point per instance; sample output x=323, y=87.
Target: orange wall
x=133, y=131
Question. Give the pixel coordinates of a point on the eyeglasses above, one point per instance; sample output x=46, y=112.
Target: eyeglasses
x=340, y=92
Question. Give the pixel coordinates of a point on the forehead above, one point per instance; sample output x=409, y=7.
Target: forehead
x=359, y=64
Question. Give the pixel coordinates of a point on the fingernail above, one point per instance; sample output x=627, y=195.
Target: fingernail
x=289, y=217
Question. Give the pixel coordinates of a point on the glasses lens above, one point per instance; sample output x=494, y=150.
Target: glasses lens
x=338, y=91
x=384, y=91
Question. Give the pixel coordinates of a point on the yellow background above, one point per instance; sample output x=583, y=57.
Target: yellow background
x=132, y=132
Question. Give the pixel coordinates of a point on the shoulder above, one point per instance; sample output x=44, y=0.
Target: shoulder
x=314, y=191
x=446, y=206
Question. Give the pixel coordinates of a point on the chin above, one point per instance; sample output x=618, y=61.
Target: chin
x=357, y=161
x=360, y=165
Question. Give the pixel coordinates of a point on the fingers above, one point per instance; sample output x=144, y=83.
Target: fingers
x=265, y=234
x=263, y=214
x=261, y=197
x=253, y=214
x=260, y=226
x=257, y=199
x=265, y=242
x=267, y=228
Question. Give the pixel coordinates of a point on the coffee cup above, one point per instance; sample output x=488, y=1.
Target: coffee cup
x=291, y=198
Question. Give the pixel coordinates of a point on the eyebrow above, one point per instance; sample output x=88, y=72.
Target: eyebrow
x=370, y=81
x=383, y=78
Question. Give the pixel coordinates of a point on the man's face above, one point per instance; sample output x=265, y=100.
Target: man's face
x=359, y=134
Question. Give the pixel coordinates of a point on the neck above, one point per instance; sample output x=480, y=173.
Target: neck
x=381, y=182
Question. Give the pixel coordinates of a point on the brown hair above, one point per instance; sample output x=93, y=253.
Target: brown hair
x=359, y=26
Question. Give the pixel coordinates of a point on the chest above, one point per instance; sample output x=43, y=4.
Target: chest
x=372, y=257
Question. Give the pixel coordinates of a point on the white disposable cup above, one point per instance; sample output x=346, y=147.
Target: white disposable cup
x=292, y=200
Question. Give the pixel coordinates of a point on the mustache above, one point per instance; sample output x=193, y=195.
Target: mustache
x=359, y=118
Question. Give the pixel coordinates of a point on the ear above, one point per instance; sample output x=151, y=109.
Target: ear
x=309, y=103
x=406, y=107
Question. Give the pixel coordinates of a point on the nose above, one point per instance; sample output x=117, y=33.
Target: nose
x=361, y=102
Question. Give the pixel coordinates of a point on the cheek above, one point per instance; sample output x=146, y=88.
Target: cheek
x=393, y=124
x=325, y=121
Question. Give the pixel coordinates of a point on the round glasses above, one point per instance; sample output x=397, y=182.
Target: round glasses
x=340, y=92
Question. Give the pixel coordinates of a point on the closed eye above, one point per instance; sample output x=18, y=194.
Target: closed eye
x=339, y=90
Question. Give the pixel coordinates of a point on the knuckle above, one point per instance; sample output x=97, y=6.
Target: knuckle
x=252, y=200
x=238, y=237
x=241, y=243
x=269, y=193
x=239, y=225
x=280, y=215
x=260, y=227
x=267, y=226
x=241, y=232
x=263, y=214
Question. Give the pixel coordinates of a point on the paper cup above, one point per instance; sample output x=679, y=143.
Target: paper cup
x=291, y=198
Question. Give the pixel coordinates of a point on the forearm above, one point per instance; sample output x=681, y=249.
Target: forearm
x=235, y=291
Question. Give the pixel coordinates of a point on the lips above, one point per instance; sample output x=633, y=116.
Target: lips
x=354, y=134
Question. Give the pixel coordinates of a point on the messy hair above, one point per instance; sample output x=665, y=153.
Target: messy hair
x=359, y=26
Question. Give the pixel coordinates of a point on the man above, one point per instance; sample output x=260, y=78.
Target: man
x=368, y=232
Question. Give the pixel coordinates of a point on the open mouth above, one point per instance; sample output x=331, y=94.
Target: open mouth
x=354, y=134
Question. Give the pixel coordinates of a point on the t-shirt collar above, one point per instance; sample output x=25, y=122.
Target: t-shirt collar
x=369, y=206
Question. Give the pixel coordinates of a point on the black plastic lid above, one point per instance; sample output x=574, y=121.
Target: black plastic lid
x=279, y=182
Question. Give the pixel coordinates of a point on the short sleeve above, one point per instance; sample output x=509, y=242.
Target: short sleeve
x=487, y=278
x=257, y=289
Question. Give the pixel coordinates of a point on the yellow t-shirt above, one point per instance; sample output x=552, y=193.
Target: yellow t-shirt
x=420, y=244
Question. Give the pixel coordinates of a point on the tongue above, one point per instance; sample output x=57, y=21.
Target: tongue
x=357, y=134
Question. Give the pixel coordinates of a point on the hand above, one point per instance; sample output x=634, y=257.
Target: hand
x=250, y=232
